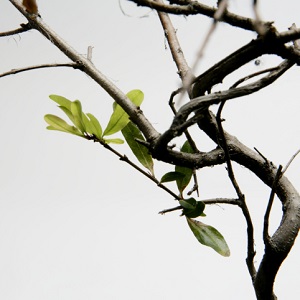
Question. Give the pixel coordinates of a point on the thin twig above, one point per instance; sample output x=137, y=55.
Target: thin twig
x=223, y=144
x=253, y=75
x=190, y=140
x=230, y=201
x=128, y=161
x=266, y=236
x=290, y=161
x=242, y=202
x=54, y=65
x=24, y=28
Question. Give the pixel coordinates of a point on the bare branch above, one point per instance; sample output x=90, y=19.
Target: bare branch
x=230, y=201
x=177, y=54
x=242, y=201
x=194, y=7
x=54, y=65
x=223, y=144
x=23, y=28
x=290, y=161
x=201, y=104
x=132, y=164
x=266, y=236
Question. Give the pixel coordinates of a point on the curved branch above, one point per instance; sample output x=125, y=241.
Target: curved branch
x=283, y=239
x=54, y=65
x=201, y=104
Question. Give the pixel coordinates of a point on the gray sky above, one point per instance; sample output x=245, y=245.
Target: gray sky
x=75, y=222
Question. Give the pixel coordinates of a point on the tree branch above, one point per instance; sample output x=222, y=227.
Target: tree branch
x=88, y=68
x=54, y=65
x=194, y=8
x=242, y=200
x=176, y=51
x=284, y=237
x=23, y=28
x=201, y=104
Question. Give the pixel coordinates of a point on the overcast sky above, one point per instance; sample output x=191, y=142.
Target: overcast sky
x=77, y=223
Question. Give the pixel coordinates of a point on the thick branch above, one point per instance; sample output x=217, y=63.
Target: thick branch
x=270, y=44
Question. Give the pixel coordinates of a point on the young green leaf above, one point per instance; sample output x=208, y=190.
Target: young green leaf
x=59, y=124
x=188, y=173
x=119, y=118
x=76, y=111
x=113, y=141
x=131, y=133
x=68, y=113
x=209, y=236
x=172, y=176
x=96, y=128
x=62, y=101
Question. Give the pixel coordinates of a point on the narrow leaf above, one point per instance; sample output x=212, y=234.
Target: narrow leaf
x=68, y=113
x=76, y=111
x=113, y=141
x=188, y=173
x=59, y=124
x=96, y=128
x=209, y=236
x=119, y=118
x=131, y=133
x=62, y=101
x=171, y=176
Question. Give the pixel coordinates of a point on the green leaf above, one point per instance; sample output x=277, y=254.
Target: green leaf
x=171, y=176
x=188, y=203
x=62, y=101
x=192, y=208
x=59, y=124
x=131, y=133
x=76, y=111
x=68, y=113
x=188, y=173
x=113, y=141
x=95, y=126
x=209, y=236
x=119, y=118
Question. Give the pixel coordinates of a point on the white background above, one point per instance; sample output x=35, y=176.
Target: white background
x=75, y=222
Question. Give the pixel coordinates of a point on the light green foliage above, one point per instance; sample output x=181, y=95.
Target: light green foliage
x=209, y=236
x=119, y=118
x=131, y=134
x=84, y=124
x=88, y=126
x=96, y=128
x=56, y=123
